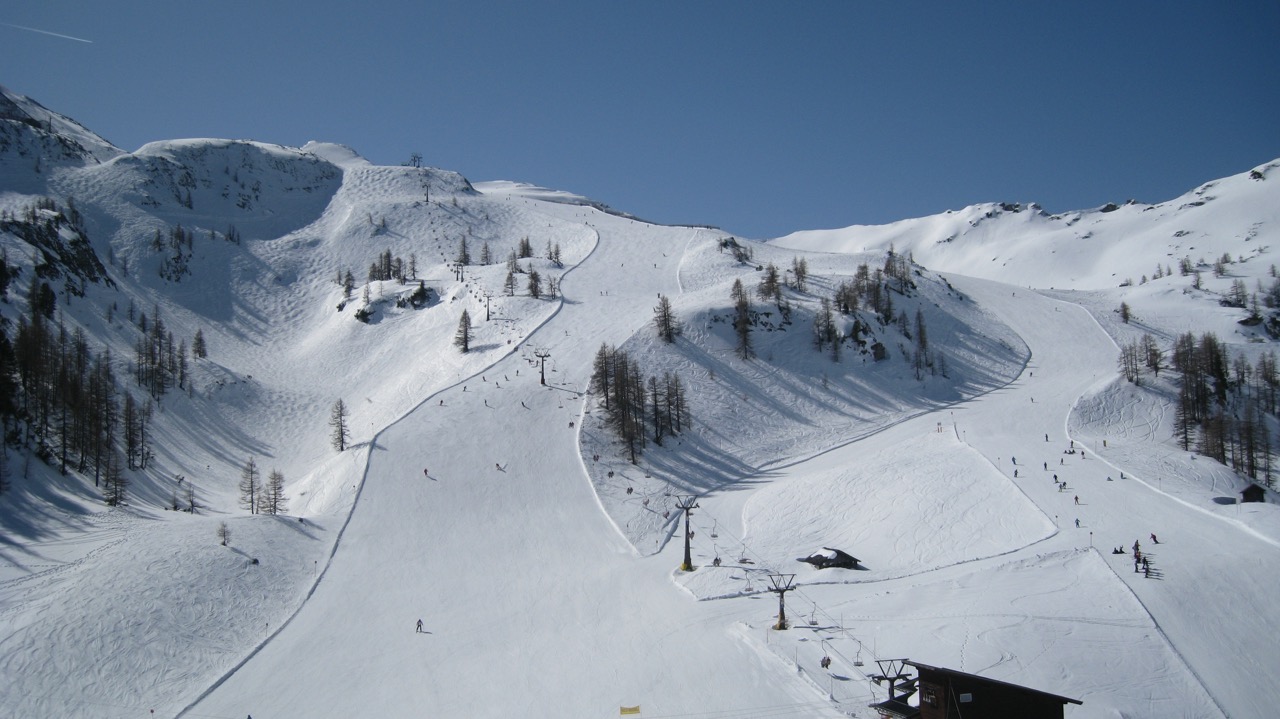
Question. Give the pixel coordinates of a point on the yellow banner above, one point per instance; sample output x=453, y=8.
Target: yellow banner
x=629, y=710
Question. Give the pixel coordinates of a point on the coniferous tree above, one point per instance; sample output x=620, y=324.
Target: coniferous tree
x=462, y=338
x=132, y=439
x=464, y=254
x=657, y=402
x=144, y=442
x=339, y=434
x=1131, y=362
x=486, y=256
x=922, y=336
x=250, y=486
x=799, y=273
x=824, y=326
x=273, y=499
x=198, y=348
x=182, y=364
x=114, y=482
x=770, y=287
x=535, y=284
x=509, y=284
x=665, y=320
x=742, y=322
x=602, y=373
x=1152, y=355
x=677, y=406
x=348, y=285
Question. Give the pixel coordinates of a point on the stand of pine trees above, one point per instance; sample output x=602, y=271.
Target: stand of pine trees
x=636, y=407
x=387, y=267
x=1223, y=402
x=61, y=401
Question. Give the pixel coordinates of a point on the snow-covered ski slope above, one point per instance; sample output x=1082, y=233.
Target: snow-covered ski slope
x=542, y=563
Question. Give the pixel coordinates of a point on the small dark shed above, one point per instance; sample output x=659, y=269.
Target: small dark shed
x=949, y=694
x=829, y=557
x=1253, y=493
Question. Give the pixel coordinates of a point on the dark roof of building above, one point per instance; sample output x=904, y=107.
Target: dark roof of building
x=1019, y=687
x=896, y=708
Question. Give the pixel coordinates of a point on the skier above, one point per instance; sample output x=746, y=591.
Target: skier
x=425, y=473
x=1077, y=522
x=1077, y=500
x=419, y=626
x=1015, y=474
x=1046, y=466
x=1014, y=459
x=1153, y=538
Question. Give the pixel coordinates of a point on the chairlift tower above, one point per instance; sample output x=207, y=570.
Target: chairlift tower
x=781, y=585
x=687, y=503
x=542, y=355
x=893, y=671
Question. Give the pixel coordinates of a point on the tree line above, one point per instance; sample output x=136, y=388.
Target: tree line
x=61, y=400
x=638, y=408
x=1223, y=401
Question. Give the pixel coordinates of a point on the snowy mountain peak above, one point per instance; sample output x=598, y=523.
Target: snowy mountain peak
x=59, y=137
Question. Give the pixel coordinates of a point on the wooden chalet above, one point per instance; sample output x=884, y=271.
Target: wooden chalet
x=1253, y=493
x=949, y=694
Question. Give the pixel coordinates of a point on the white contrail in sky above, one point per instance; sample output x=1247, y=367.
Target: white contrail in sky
x=46, y=32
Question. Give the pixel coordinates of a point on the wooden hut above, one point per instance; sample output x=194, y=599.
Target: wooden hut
x=949, y=694
x=1253, y=493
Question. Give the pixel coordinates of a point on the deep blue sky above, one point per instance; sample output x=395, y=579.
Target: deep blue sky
x=760, y=117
